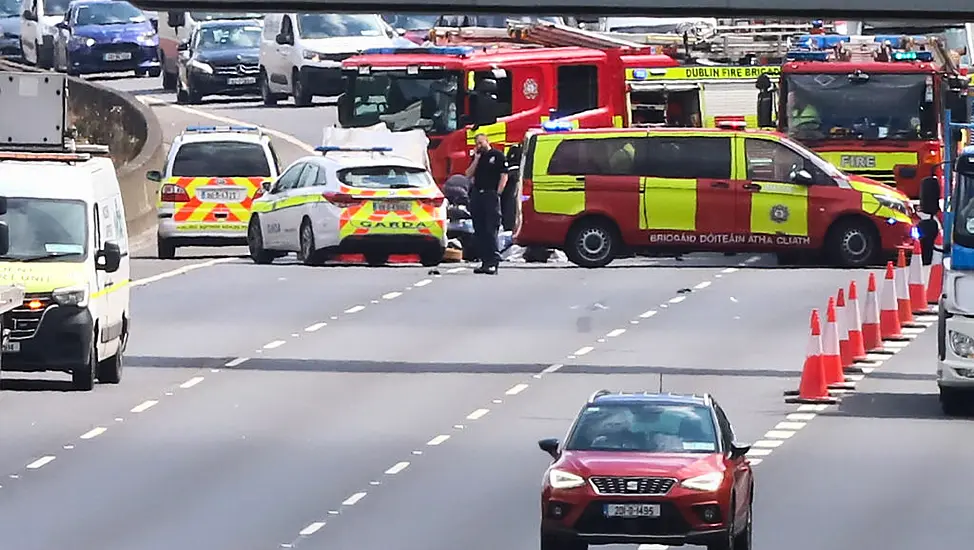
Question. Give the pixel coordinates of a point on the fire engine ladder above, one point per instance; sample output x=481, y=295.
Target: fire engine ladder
x=548, y=35
x=770, y=41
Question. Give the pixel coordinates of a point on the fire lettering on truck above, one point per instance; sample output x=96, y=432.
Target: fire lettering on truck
x=857, y=161
x=703, y=73
x=728, y=239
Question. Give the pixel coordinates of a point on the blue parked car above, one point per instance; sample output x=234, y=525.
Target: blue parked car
x=10, y=28
x=106, y=36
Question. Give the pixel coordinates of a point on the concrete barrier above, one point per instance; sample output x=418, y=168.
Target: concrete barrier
x=106, y=116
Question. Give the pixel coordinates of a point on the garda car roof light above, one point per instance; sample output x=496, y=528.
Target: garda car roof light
x=557, y=126
x=235, y=128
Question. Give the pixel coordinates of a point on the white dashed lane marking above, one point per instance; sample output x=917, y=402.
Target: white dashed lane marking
x=93, y=433
x=354, y=309
x=423, y=283
x=677, y=299
x=647, y=314
x=516, y=389
x=144, y=406
x=274, y=344
x=191, y=382
x=477, y=414
x=237, y=362
x=616, y=332
x=391, y=295
x=437, y=440
x=41, y=462
x=583, y=351
x=398, y=467
x=315, y=327
x=312, y=529
x=350, y=501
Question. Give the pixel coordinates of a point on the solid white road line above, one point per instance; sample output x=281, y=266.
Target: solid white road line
x=180, y=271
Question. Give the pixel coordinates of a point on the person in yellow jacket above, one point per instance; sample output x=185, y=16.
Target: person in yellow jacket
x=803, y=116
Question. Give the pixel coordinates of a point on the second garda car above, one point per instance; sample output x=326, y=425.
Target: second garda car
x=350, y=200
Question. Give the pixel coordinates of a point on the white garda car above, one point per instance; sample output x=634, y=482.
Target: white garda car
x=350, y=200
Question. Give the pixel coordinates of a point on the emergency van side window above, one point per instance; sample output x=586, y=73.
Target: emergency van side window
x=769, y=160
x=504, y=91
x=578, y=89
x=603, y=157
x=686, y=158
x=308, y=177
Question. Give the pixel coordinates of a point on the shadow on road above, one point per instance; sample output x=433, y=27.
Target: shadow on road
x=35, y=385
x=919, y=406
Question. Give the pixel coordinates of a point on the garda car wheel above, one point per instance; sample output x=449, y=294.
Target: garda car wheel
x=165, y=248
x=308, y=253
x=592, y=243
x=853, y=243
x=83, y=376
x=255, y=243
x=953, y=402
x=432, y=257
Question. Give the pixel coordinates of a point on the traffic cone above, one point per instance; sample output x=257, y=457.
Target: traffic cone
x=935, y=284
x=857, y=348
x=918, y=291
x=903, y=305
x=872, y=336
x=842, y=322
x=889, y=316
x=812, y=387
x=831, y=360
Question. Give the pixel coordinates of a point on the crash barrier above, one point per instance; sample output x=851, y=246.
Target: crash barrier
x=891, y=318
x=132, y=132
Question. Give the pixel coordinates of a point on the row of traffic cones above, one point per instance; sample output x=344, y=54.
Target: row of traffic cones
x=851, y=334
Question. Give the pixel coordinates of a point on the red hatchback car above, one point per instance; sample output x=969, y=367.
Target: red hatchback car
x=647, y=469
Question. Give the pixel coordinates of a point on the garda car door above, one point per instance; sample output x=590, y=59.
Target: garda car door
x=300, y=200
x=687, y=195
x=776, y=208
x=272, y=221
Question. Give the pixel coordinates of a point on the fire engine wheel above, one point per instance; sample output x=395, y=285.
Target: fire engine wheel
x=853, y=242
x=592, y=242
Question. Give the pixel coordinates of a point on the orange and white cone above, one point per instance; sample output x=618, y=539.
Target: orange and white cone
x=872, y=334
x=889, y=316
x=857, y=347
x=842, y=321
x=935, y=283
x=918, y=290
x=812, y=387
x=904, y=306
x=831, y=361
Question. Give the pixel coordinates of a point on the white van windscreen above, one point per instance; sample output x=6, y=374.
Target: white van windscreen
x=46, y=229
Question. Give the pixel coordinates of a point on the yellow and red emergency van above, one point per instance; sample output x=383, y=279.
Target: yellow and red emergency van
x=597, y=193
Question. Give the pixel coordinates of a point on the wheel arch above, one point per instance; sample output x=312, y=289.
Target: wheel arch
x=589, y=217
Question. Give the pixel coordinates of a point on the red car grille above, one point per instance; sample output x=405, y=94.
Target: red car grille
x=633, y=485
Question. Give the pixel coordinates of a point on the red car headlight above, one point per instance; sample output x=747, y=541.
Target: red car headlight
x=706, y=482
x=560, y=479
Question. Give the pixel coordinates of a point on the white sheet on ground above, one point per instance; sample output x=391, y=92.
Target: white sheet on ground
x=411, y=144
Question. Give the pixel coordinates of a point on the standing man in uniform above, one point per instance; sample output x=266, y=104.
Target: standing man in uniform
x=489, y=173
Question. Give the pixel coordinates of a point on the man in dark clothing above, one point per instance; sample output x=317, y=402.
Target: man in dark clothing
x=489, y=172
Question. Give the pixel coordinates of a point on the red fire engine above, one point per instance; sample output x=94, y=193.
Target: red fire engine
x=871, y=105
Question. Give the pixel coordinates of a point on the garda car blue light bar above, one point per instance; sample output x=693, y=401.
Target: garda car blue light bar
x=336, y=148
x=558, y=126
x=222, y=129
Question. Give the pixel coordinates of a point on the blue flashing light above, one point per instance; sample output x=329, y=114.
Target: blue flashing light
x=807, y=56
x=890, y=221
x=337, y=148
x=915, y=233
x=558, y=126
x=821, y=41
x=222, y=129
x=640, y=74
x=457, y=51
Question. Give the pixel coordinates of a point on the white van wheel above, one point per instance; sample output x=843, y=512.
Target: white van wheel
x=83, y=376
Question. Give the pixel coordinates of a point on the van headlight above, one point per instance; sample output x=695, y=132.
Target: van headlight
x=71, y=296
x=961, y=344
x=892, y=203
x=707, y=482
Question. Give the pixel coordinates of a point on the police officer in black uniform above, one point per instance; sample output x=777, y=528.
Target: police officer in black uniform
x=489, y=172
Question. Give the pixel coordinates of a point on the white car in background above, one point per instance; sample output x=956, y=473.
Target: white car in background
x=301, y=54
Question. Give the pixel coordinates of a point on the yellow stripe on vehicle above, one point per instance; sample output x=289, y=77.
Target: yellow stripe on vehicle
x=496, y=133
x=109, y=289
x=669, y=204
x=779, y=209
x=857, y=161
x=702, y=73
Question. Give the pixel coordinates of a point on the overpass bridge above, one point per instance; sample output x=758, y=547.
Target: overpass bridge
x=887, y=9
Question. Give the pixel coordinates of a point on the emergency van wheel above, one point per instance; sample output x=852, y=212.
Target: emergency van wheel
x=255, y=244
x=592, y=242
x=299, y=90
x=110, y=370
x=165, y=248
x=376, y=259
x=853, y=242
x=432, y=257
x=83, y=376
x=307, y=253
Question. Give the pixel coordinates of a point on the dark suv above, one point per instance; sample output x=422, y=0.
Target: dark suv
x=641, y=468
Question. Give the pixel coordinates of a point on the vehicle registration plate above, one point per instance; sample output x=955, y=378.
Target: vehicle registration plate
x=118, y=56
x=240, y=80
x=632, y=510
x=219, y=195
x=11, y=347
x=393, y=206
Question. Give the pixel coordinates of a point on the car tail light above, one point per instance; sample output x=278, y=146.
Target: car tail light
x=341, y=200
x=173, y=193
x=436, y=201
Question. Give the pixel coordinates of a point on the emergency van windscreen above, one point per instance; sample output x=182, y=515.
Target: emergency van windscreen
x=866, y=107
x=963, y=198
x=53, y=230
x=402, y=101
x=221, y=159
x=385, y=177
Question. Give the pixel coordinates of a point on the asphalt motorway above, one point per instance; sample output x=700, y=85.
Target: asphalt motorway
x=353, y=408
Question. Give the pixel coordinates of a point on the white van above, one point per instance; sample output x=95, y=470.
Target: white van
x=301, y=54
x=37, y=30
x=177, y=27
x=67, y=242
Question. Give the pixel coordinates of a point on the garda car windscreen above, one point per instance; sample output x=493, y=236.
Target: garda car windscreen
x=868, y=107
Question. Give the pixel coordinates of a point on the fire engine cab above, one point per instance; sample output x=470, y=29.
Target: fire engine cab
x=871, y=105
